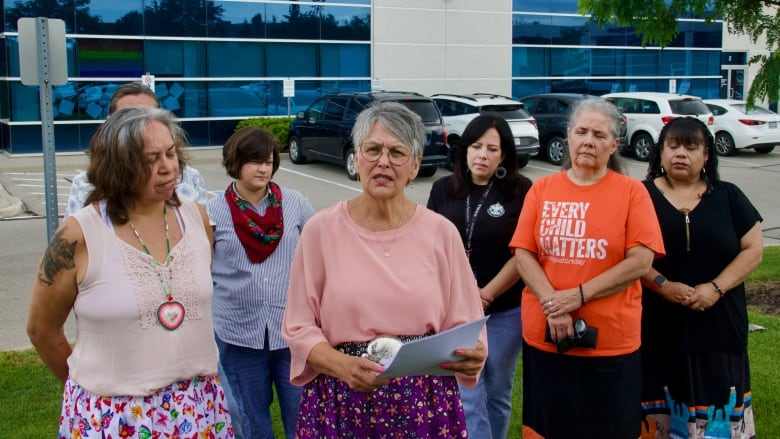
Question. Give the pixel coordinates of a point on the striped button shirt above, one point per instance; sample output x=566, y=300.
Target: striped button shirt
x=249, y=299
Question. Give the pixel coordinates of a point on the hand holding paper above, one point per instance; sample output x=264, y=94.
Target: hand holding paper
x=422, y=357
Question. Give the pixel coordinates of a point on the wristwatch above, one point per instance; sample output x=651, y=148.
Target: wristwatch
x=659, y=281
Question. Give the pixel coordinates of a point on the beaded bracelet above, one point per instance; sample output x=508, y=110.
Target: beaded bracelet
x=582, y=296
x=717, y=288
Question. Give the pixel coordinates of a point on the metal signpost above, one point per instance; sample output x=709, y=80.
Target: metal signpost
x=43, y=62
x=288, y=91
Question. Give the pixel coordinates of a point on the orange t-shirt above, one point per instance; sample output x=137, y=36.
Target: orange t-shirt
x=577, y=233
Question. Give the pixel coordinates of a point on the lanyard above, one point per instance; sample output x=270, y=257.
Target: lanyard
x=471, y=219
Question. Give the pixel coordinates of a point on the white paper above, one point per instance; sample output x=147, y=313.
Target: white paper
x=423, y=356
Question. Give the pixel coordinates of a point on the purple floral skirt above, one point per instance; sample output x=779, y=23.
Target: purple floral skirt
x=411, y=407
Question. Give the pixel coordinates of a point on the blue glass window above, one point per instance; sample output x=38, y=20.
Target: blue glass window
x=531, y=61
x=541, y=61
x=569, y=30
x=107, y=58
x=317, y=22
x=233, y=59
x=238, y=19
x=538, y=29
x=345, y=60
x=111, y=17
x=559, y=6
x=175, y=58
x=176, y=18
x=14, y=10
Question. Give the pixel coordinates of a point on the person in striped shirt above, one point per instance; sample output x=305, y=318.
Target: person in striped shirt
x=257, y=227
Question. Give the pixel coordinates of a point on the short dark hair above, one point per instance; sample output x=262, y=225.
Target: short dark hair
x=117, y=166
x=686, y=131
x=130, y=89
x=458, y=186
x=249, y=144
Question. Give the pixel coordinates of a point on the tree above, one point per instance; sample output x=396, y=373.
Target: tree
x=655, y=21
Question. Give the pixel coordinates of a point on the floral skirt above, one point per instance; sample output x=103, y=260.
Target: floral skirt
x=192, y=408
x=410, y=407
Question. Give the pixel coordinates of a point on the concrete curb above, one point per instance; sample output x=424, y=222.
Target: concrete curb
x=10, y=206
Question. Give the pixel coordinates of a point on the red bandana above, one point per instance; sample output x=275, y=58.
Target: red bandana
x=258, y=234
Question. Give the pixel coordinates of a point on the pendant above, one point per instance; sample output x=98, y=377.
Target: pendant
x=170, y=314
x=387, y=254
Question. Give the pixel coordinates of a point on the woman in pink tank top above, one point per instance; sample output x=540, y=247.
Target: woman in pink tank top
x=134, y=266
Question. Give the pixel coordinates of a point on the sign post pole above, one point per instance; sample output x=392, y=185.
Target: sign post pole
x=44, y=64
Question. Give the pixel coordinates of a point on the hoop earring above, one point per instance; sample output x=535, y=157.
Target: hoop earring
x=500, y=172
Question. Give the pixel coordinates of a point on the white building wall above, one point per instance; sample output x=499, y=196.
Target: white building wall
x=739, y=43
x=443, y=46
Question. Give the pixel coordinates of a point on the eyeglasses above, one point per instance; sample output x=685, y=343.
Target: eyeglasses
x=398, y=155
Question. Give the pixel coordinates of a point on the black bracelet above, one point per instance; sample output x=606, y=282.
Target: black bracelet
x=582, y=296
x=717, y=288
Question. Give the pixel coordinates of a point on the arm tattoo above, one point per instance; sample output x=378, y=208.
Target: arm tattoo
x=58, y=257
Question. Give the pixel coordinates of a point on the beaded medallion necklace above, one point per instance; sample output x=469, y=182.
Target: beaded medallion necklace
x=170, y=313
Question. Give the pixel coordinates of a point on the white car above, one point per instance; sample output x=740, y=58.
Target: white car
x=647, y=112
x=458, y=110
x=736, y=127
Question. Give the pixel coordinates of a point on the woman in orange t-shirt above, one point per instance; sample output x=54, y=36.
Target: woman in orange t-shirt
x=584, y=238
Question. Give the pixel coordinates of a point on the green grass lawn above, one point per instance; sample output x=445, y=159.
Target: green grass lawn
x=30, y=400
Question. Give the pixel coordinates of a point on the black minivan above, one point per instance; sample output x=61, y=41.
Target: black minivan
x=324, y=130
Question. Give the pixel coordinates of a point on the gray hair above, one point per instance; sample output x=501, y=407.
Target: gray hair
x=402, y=123
x=608, y=109
x=599, y=105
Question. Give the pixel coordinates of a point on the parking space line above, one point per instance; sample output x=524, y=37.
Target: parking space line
x=343, y=186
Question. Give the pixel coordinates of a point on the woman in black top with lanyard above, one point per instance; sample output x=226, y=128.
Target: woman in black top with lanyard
x=483, y=198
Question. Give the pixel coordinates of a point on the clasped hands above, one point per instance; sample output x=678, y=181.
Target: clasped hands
x=362, y=374
x=699, y=298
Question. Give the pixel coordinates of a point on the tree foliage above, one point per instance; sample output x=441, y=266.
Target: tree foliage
x=655, y=21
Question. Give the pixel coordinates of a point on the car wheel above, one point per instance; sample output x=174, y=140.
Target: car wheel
x=349, y=164
x=296, y=155
x=764, y=149
x=427, y=171
x=724, y=144
x=522, y=161
x=641, y=145
x=555, y=150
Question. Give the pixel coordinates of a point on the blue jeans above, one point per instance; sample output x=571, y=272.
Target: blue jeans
x=252, y=373
x=231, y=402
x=488, y=406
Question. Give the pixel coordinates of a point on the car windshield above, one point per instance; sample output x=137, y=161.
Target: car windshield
x=425, y=109
x=689, y=106
x=754, y=110
x=508, y=112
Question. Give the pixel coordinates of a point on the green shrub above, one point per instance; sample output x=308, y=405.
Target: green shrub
x=278, y=126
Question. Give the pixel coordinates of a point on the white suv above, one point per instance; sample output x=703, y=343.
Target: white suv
x=648, y=112
x=458, y=110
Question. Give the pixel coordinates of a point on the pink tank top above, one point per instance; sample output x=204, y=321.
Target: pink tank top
x=121, y=348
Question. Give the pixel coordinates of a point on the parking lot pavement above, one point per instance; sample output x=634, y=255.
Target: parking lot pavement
x=23, y=240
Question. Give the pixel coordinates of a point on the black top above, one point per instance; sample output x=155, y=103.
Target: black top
x=494, y=226
x=716, y=225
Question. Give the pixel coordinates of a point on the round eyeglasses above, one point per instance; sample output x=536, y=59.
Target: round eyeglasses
x=398, y=155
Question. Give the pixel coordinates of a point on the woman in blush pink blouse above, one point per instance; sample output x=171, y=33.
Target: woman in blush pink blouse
x=379, y=265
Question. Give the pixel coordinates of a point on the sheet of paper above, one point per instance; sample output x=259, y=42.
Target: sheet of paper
x=422, y=357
